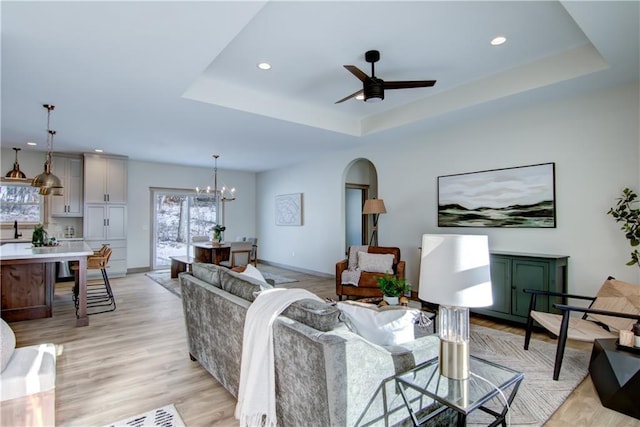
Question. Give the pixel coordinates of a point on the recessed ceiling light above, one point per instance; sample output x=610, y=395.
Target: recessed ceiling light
x=31, y=143
x=497, y=41
x=97, y=150
x=264, y=66
x=360, y=97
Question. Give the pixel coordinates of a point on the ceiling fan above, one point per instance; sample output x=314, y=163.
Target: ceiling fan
x=373, y=87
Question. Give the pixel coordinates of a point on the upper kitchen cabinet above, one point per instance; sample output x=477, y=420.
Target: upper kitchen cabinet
x=69, y=169
x=105, y=179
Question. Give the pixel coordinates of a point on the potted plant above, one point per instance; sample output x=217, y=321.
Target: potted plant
x=39, y=236
x=629, y=216
x=217, y=232
x=393, y=288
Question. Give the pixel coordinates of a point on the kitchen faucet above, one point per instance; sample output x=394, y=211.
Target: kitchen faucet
x=16, y=235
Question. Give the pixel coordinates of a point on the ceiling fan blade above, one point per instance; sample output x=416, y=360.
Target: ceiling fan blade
x=357, y=72
x=353, y=95
x=409, y=84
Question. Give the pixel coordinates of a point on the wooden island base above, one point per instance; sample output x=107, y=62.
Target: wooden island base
x=28, y=279
x=27, y=291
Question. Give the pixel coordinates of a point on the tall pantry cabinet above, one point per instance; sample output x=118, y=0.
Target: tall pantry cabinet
x=105, y=208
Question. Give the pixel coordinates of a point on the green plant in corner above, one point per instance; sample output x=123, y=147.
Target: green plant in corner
x=392, y=286
x=629, y=216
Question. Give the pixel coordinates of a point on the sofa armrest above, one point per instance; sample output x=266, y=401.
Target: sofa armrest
x=343, y=379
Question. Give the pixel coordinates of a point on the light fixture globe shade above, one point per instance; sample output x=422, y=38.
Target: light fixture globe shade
x=15, y=173
x=51, y=191
x=39, y=180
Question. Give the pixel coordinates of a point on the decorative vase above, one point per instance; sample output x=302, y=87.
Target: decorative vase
x=391, y=300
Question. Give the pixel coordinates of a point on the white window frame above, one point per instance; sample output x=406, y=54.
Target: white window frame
x=6, y=222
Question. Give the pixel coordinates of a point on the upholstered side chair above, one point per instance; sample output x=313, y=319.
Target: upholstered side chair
x=615, y=307
x=366, y=269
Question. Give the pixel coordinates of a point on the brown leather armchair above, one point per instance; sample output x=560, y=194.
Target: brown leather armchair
x=367, y=285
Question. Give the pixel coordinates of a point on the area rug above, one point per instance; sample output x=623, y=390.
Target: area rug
x=538, y=396
x=163, y=278
x=166, y=416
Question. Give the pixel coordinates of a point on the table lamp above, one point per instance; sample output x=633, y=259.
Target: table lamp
x=454, y=273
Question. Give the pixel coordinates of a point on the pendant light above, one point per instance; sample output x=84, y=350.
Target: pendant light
x=50, y=185
x=16, y=173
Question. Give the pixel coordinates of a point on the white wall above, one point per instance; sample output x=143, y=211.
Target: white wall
x=593, y=140
x=239, y=214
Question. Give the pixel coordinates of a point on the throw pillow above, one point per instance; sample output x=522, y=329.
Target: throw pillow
x=7, y=344
x=251, y=271
x=389, y=325
x=375, y=263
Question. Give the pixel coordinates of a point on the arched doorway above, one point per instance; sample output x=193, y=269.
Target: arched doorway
x=361, y=183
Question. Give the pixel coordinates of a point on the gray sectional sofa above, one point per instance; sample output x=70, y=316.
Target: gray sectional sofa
x=325, y=374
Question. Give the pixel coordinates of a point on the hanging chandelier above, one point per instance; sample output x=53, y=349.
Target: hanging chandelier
x=224, y=194
x=49, y=184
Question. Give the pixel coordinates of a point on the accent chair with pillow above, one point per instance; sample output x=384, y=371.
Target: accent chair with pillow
x=356, y=275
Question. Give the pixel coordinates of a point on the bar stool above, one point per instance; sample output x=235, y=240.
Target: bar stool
x=98, y=294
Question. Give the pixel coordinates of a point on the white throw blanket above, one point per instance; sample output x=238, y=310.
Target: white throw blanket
x=351, y=276
x=257, y=391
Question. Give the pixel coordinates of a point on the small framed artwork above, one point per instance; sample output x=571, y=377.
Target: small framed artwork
x=289, y=209
x=522, y=196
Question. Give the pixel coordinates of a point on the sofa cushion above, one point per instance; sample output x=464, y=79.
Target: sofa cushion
x=209, y=273
x=375, y=263
x=7, y=344
x=241, y=285
x=388, y=325
x=316, y=314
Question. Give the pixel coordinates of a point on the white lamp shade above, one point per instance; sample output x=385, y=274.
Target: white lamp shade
x=454, y=270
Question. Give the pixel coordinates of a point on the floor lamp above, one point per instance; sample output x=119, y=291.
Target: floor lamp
x=374, y=207
x=455, y=273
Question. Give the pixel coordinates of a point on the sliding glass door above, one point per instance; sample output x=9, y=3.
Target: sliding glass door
x=178, y=217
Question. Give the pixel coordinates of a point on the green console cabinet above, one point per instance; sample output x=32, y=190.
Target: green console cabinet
x=511, y=272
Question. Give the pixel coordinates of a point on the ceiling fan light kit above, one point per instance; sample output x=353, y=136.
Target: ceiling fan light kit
x=373, y=87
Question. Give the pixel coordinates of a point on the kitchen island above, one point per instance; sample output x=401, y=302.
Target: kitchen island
x=28, y=279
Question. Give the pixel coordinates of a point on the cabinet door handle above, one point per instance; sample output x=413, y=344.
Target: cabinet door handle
x=104, y=222
x=108, y=198
x=108, y=222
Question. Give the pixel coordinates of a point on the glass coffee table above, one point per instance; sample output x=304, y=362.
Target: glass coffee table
x=423, y=385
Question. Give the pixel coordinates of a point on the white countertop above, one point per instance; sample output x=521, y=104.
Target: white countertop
x=11, y=251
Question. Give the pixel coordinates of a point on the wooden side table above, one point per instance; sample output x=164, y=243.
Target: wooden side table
x=616, y=376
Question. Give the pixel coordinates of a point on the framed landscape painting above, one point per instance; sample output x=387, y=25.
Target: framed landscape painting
x=521, y=196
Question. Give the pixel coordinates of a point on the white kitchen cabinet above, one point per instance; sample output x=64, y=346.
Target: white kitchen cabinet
x=70, y=172
x=105, y=179
x=105, y=221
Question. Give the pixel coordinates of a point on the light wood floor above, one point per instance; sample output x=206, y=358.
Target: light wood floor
x=135, y=359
